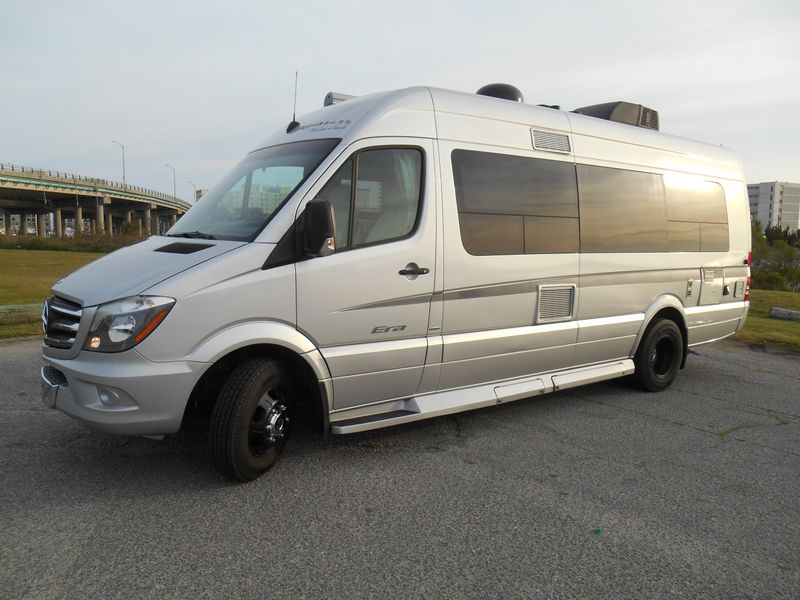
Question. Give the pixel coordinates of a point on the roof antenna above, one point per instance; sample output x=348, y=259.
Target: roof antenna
x=294, y=124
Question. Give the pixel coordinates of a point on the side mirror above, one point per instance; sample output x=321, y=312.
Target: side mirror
x=318, y=229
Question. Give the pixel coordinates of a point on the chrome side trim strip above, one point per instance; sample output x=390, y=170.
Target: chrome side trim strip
x=354, y=359
x=724, y=306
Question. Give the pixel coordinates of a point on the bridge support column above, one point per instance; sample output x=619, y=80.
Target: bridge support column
x=6, y=221
x=78, y=220
x=173, y=218
x=100, y=218
x=58, y=222
x=109, y=224
x=40, y=223
x=128, y=216
x=23, y=225
x=139, y=226
x=148, y=222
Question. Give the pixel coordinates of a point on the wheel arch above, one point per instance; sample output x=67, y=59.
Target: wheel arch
x=227, y=348
x=669, y=307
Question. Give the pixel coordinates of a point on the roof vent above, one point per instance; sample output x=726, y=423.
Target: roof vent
x=503, y=91
x=622, y=112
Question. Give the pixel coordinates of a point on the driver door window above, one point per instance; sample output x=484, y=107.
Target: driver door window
x=385, y=202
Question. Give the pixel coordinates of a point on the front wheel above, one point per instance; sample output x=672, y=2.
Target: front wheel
x=658, y=358
x=252, y=419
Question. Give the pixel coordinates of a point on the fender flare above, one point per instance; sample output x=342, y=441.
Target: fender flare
x=251, y=333
x=656, y=306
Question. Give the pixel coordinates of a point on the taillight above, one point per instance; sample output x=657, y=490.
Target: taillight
x=747, y=285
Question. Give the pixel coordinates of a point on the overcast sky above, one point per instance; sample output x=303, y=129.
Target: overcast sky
x=198, y=84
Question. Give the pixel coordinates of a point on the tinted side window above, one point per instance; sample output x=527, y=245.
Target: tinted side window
x=515, y=205
x=386, y=201
x=622, y=211
x=694, y=200
x=696, y=205
x=387, y=195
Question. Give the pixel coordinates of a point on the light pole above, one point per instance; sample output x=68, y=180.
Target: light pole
x=174, y=189
x=123, y=159
x=192, y=183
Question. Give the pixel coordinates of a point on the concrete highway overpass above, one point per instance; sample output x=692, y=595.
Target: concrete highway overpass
x=44, y=203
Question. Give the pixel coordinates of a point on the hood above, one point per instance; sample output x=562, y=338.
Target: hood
x=131, y=270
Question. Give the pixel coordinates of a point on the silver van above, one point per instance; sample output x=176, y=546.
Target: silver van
x=404, y=255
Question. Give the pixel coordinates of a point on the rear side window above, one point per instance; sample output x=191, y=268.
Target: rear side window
x=622, y=211
x=519, y=205
x=384, y=203
x=514, y=204
x=696, y=213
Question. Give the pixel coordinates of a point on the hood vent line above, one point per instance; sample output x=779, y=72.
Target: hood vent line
x=183, y=248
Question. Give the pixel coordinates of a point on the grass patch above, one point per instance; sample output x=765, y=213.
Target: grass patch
x=15, y=330
x=79, y=243
x=26, y=277
x=760, y=329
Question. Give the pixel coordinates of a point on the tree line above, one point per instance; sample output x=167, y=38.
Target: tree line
x=776, y=258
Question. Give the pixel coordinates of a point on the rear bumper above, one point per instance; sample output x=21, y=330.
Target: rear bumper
x=120, y=393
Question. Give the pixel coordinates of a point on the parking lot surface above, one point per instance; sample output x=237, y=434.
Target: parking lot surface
x=598, y=492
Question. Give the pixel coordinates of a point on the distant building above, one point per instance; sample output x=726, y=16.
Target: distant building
x=775, y=203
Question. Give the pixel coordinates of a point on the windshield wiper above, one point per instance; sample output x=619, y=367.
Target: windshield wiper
x=193, y=234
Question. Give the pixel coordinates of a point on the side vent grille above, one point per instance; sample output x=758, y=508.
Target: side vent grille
x=545, y=140
x=648, y=118
x=556, y=303
x=61, y=319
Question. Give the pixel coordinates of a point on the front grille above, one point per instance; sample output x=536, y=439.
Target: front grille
x=61, y=319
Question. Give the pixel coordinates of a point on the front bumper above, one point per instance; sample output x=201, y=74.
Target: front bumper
x=120, y=393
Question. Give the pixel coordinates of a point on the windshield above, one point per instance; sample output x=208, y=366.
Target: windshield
x=240, y=205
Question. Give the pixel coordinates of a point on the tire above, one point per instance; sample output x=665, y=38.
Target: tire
x=659, y=356
x=252, y=419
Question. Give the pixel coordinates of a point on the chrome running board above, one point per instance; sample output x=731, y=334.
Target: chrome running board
x=396, y=412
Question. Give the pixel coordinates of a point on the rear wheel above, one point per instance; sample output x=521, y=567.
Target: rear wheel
x=252, y=419
x=658, y=358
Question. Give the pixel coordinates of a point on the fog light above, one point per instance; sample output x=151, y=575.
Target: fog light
x=94, y=342
x=108, y=397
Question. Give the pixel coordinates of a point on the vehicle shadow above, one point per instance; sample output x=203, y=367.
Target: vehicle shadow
x=97, y=464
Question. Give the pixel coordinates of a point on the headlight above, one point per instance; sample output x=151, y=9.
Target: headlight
x=122, y=324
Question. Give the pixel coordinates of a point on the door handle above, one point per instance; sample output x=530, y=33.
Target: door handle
x=414, y=269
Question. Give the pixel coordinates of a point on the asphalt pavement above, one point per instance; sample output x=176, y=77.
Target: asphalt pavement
x=598, y=492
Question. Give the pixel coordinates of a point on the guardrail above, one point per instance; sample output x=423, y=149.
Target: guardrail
x=60, y=176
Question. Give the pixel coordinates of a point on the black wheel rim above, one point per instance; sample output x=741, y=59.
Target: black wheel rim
x=270, y=424
x=662, y=357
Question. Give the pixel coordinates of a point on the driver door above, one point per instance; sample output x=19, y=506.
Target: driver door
x=366, y=306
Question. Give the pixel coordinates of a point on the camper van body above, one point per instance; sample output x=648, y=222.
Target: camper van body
x=539, y=253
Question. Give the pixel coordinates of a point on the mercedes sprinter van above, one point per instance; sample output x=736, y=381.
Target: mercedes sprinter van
x=404, y=255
